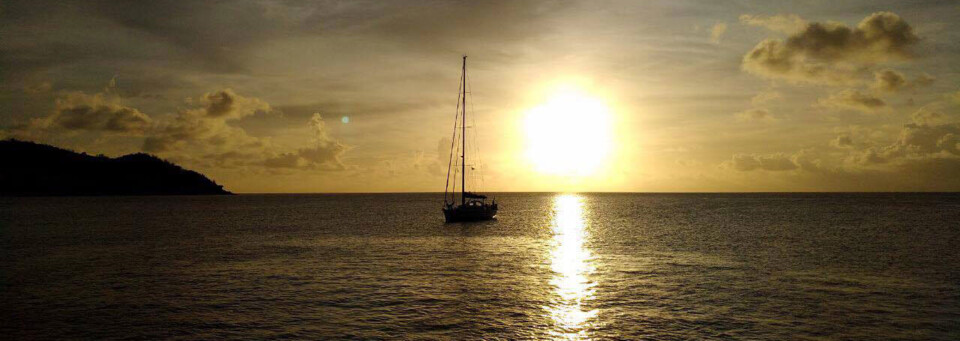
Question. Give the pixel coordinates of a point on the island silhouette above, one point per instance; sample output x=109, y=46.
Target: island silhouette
x=34, y=169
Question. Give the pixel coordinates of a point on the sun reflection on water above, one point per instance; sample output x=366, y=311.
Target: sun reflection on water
x=571, y=262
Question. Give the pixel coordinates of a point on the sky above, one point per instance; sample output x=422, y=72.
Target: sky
x=632, y=96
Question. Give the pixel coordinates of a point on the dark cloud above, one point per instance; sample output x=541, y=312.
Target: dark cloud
x=219, y=38
x=164, y=38
x=889, y=80
x=99, y=112
x=207, y=35
x=832, y=52
x=208, y=124
x=226, y=104
x=853, y=100
x=893, y=81
x=82, y=41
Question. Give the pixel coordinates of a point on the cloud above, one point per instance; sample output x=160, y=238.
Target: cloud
x=759, y=113
x=832, y=53
x=765, y=97
x=98, y=112
x=204, y=136
x=924, y=79
x=888, y=80
x=37, y=88
x=717, y=31
x=789, y=23
x=925, y=116
x=853, y=100
x=842, y=141
x=200, y=36
x=227, y=105
x=916, y=141
x=325, y=151
x=924, y=157
x=928, y=139
x=325, y=154
x=755, y=114
x=770, y=162
x=208, y=124
x=286, y=160
x=208, y=131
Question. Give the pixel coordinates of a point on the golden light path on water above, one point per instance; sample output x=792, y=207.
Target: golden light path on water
x=571, y=262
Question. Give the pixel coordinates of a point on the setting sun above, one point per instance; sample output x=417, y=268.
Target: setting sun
x=570, y=134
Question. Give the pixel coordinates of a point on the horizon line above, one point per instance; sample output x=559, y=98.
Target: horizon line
x=618, y=192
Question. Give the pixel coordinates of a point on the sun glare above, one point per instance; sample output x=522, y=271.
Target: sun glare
x=572, y=264
x=570, y=134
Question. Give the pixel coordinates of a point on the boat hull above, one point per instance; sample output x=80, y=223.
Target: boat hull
x=467, y=213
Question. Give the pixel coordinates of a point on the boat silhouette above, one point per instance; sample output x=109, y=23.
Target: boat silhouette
x=472, y=206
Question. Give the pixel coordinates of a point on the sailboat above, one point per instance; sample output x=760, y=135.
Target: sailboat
x=472, y=206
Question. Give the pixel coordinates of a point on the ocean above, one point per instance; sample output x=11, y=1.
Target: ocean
x=553, y=266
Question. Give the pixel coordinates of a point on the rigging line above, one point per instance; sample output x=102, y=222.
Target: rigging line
x=455, y=152
x=452, y=142
x=450, y=157
x=456, y=166
x=463, y=137
x=469, y=143
x=473, y=117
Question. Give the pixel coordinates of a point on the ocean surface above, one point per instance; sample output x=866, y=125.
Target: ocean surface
x=553, y=266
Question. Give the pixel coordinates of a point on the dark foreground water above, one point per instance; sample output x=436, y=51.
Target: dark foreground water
x=554, y=266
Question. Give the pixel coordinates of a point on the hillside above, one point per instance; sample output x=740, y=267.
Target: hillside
x=29, y=168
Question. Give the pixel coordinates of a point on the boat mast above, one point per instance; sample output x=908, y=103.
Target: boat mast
x=463, y=137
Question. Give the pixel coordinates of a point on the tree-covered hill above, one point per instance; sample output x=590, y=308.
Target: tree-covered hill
x=28, y=168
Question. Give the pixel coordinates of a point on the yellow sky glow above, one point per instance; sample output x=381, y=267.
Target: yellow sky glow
x=631, y=96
